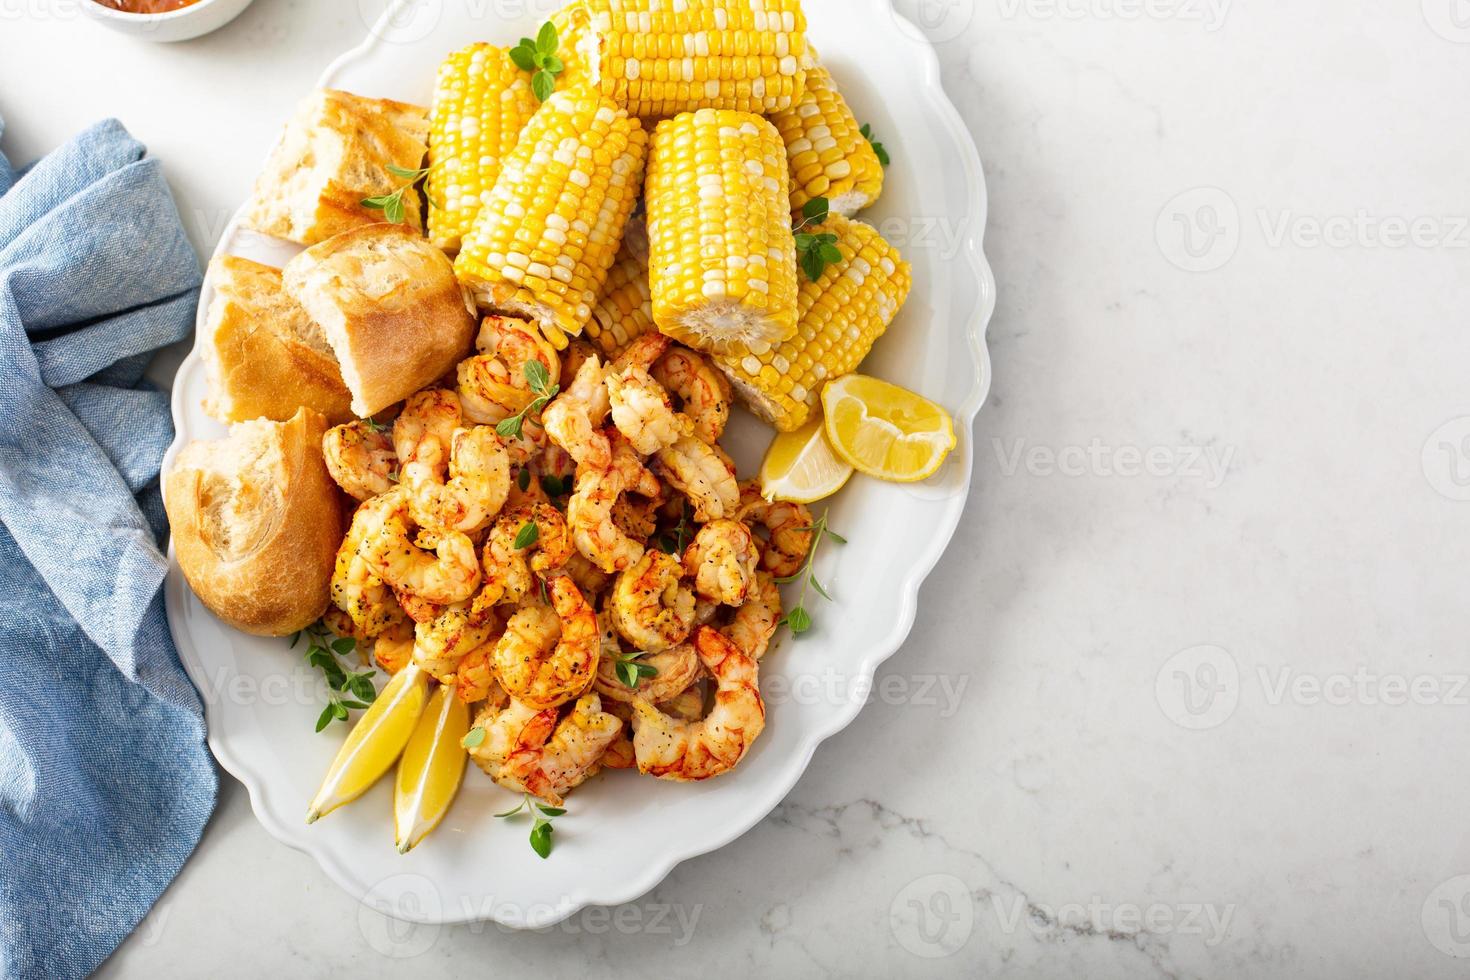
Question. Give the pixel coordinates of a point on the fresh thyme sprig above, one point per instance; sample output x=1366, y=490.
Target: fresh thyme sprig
x=799, y=619
x=672, y=542
x=541, y=829
x=539, y=56
x=392, y=204
x=878, y=148
x=540, y=381
x=815, y=251
x=631, y=672
x=355, y=688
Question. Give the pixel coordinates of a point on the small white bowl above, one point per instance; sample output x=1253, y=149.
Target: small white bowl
x=192, y=21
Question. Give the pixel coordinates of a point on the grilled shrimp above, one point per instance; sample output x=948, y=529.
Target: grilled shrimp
x=650, y=607
x=702, y=391
x=788, y=530
x=393, y=651
x=677, y=667
x=722, y=561
x=642, y=413
x=687, y=751
x=356, y=589
x=704, y=475
x=754, y=623
x=360, y=458
x=442, y=645
x=509, y=576
x=642, y=352
x=450, y=575
x=590, y=511
x=688, y=705
x=493, y=385
x=528, y=751
x=589, y=578
x=479, y=483
x=548, y=655
x=573, y=420
x=475, y=680
x=423, y=434
x=578, y=352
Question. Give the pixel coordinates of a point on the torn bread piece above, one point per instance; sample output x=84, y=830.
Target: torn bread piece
x=265, y=355
x=334, y=154
x=390, y=307
x=257, y=522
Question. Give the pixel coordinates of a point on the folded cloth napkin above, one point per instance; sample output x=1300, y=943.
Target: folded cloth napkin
x=105, y=780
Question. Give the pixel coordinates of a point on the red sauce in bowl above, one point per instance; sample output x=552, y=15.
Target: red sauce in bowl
x=145, y=6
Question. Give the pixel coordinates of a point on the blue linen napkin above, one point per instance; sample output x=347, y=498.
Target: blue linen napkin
x=105, y=780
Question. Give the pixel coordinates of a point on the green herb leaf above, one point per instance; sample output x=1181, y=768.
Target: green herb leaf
x=344, y=646
x=883, y=157
x=511, y=427
x=524, y=55
x=630, y=672
x=541, y=839
x=543, y=83
x=528, y=535
x=830, y=254
x=799, y=620
x=406, y=173
x=553, y=64
x=523, y=479
x=378, y=203
x=473, y=739
x=812, y=265
x=550, y=811
x=815, y=211
x=546, y=41
x=295, y=639
x=804, y=242
x=554, y=485
x=510, y=813
x=537, y=376
x=324, y=719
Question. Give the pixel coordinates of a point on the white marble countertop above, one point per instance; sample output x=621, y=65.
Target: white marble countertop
x=1187, y=694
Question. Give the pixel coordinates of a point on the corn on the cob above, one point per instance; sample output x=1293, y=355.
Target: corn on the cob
x=624, y=311
x=842, y=315
x=482, y=101
x=551, y=228
x=659, y=58
x=830, y=156
x=722, y=255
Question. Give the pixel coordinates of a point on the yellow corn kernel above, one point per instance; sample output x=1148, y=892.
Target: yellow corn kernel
x=552, y=225
x=722, y=256
x=482, y=101
x=659, y=58
x=829, y=155
x=624, y=312
x=842, y=315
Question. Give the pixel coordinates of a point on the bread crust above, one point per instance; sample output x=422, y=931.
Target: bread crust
x=257, y=522
x=266, y=356
x=391, y=308
x=334, y=153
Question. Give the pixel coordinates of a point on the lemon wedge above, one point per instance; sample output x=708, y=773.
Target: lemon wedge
x=431, y=769
x=375, y=742
x=801, y=467
x=886, y=431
